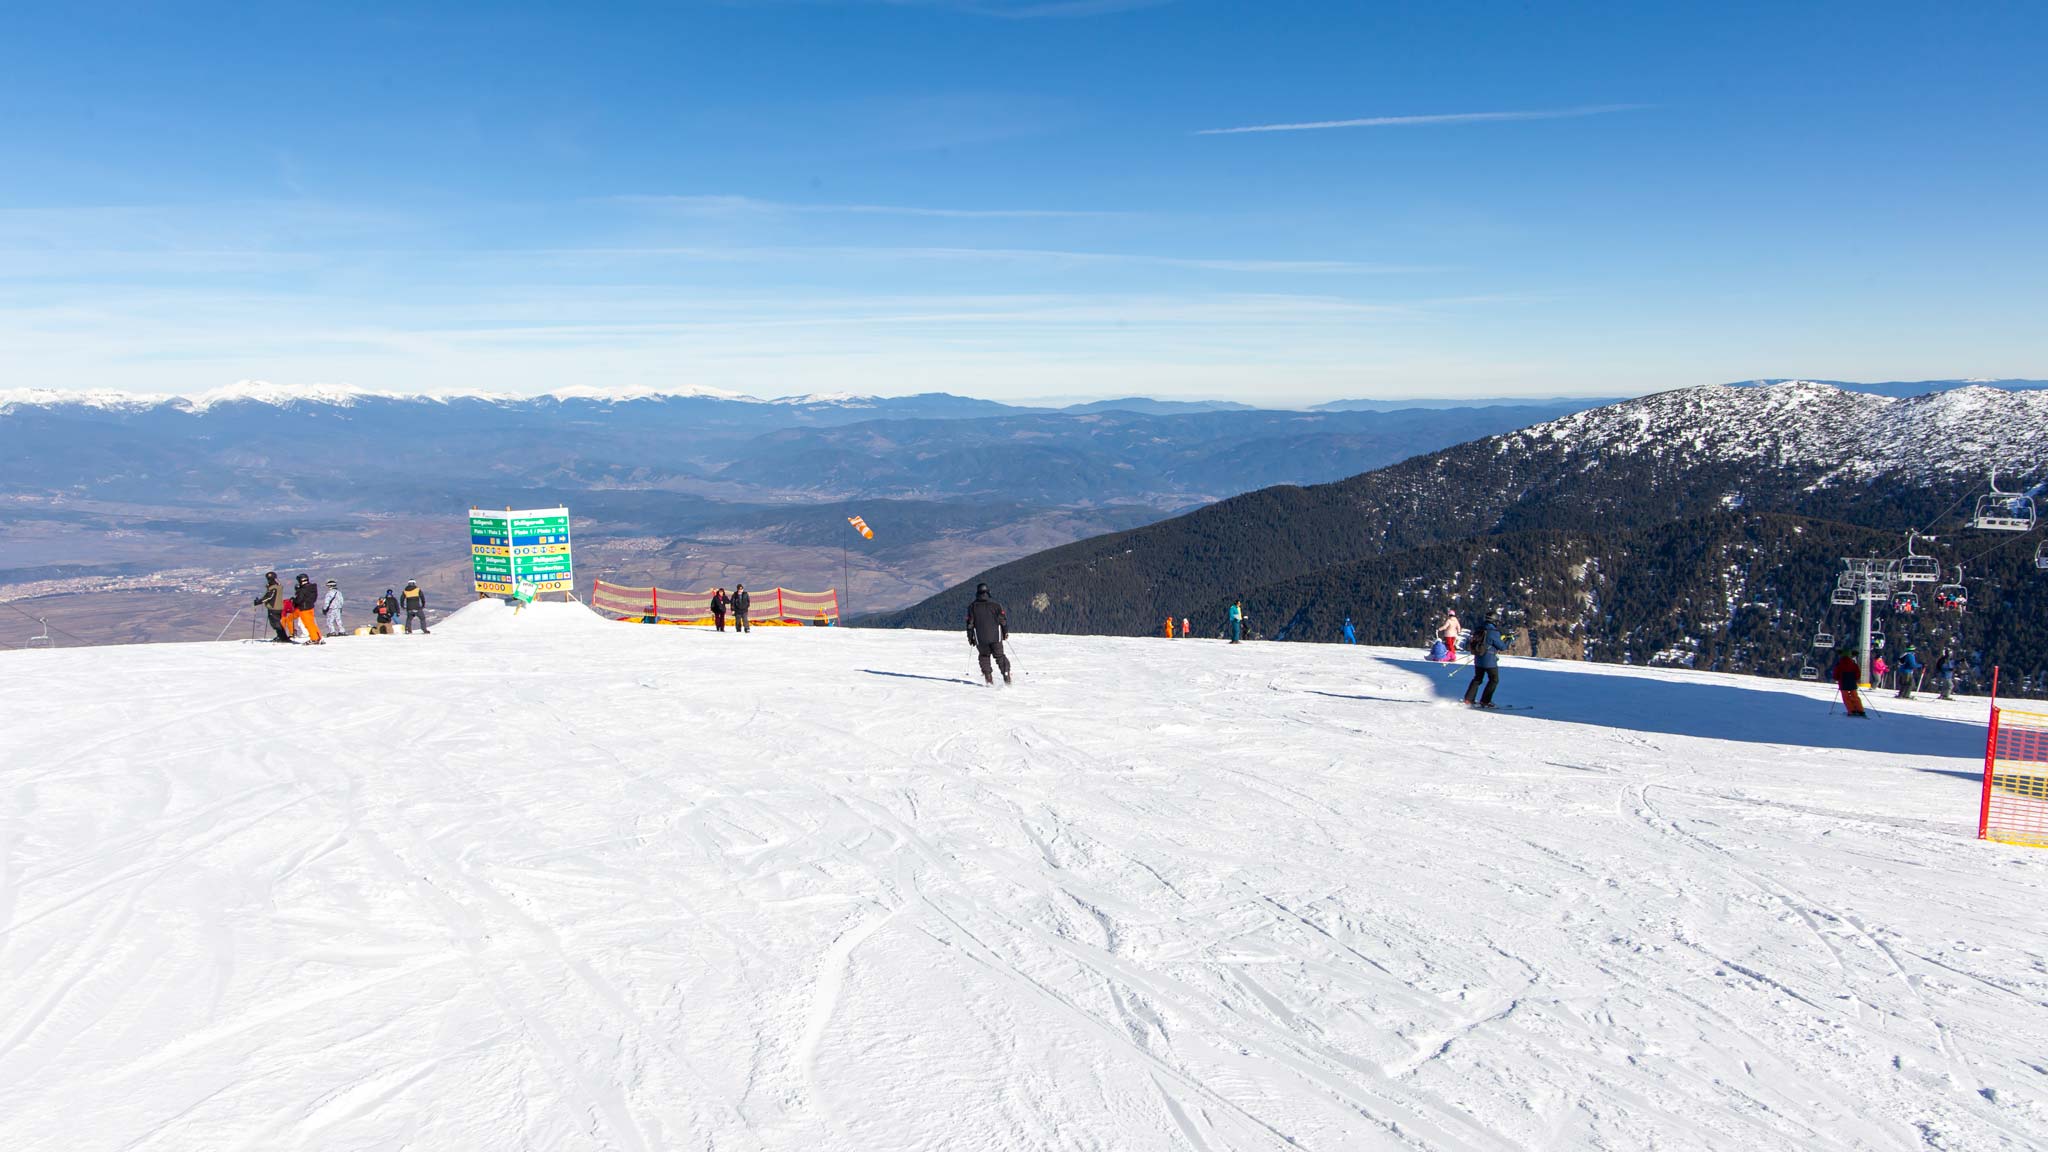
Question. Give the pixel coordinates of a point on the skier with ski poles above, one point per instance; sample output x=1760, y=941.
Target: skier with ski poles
x=1945, y=675
x=1908, y=670
x=271, y=600
x=1848, y=676
x=1487, y=645
x=987, y=627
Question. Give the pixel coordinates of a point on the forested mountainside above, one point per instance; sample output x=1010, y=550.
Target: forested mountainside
x=1729, y=591
x=1791, y=477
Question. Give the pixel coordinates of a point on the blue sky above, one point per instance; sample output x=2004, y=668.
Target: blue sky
x=1024, y=199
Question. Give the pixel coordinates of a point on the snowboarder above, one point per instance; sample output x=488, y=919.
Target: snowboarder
x=330, y=610
x=1909, y=670
x=987, y=627
x=718, y=609
x=385, y=611
x=1945, y=676
x=740, y=603
x=414, y=601
x=1448, y=632
x=1236, y=621
x=1350, y=633
x=306, y=597
x=1487, y=645
x=1848, y=674
x=272, y=602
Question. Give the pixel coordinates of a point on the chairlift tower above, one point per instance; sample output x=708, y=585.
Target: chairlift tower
x=1869, y=579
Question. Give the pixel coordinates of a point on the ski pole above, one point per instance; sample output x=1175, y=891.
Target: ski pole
x=230, y=624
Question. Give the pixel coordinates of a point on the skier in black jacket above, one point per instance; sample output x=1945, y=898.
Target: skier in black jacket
x=987, y=627
x=306, y=598
x=740, y=603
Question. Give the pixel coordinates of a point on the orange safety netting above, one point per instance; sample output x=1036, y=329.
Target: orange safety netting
x=663, y=606
x=2014, y=809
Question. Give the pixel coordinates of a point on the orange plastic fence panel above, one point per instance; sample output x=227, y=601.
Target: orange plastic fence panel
x=667, y=606
x=2015, y=801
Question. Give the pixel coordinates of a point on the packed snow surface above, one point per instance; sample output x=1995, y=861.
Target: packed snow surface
x=547, y=881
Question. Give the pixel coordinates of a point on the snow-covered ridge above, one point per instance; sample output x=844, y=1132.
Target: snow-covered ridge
x=344, y=396
x=1802, y=423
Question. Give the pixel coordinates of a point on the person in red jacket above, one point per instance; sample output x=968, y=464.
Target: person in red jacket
x=1848, y=674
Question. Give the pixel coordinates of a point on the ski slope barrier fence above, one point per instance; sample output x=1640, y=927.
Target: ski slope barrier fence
x=2015, y=805
x=770, y=606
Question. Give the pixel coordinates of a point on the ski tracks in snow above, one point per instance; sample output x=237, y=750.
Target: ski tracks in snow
x=718, y=892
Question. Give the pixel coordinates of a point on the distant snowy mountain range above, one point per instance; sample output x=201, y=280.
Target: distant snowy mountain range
x=923, y=404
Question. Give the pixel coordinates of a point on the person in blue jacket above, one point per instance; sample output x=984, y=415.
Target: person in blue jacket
x=1236, y=622
x=1350, y=633
x=1487, y=645
x=1909, y=672
x=1945, y=676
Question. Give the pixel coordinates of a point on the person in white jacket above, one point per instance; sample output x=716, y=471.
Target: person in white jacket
x=330, y=610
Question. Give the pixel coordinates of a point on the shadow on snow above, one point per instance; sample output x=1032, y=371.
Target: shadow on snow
x=1713, y=709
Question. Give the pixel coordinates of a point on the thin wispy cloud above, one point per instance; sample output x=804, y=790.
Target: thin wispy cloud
x=716, y=205
x=1433, y=118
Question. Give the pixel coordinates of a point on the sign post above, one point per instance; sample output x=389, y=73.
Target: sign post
x=521, y=547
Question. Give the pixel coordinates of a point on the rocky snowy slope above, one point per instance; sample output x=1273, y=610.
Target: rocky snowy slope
x=1640, y=466
x=547, y=881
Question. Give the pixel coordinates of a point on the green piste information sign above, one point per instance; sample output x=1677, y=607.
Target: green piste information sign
x=521, y=545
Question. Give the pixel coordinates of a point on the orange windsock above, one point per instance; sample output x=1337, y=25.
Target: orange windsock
x=861, y=526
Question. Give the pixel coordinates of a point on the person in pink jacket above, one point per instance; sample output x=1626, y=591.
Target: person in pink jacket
x=1448, y=633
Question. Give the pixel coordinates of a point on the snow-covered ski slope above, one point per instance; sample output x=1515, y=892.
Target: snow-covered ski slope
x=551, y=882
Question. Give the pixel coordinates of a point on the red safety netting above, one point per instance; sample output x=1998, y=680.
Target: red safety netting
x=664, y=606
x=2014, y=809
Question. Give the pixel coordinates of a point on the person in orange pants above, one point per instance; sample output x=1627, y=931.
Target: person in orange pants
x=1169, y=627
x=1848, y=674
x=306, y=598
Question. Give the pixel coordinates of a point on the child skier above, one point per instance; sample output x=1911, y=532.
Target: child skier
x=1350, y=633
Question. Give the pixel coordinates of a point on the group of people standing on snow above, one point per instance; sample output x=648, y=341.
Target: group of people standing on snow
x=737, y=602
x=306, y=609
x=1848, y=676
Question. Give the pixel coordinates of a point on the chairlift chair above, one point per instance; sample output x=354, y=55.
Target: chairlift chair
x=2002, y=511
x=1808, y=671
x=2041, y=557
x=1843, y=596
x=1915, y=568
x=1877, y=641
x=1823, y=639
x=1954, y=597
x=1906, y=603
